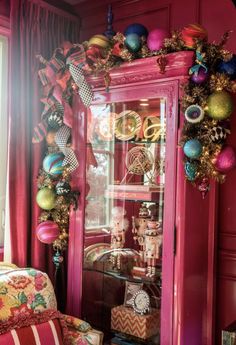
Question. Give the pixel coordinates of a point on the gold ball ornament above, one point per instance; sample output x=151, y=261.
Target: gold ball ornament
x=100, y=41
x=219, y=105
x=45, y=198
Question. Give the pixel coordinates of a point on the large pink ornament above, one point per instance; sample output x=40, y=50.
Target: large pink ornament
x=47, y=232
x=155, y=39
x=226, y=160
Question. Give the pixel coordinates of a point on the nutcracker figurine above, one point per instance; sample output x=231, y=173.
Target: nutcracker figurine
x=119, y=225
x=153, y=242
x=139, y=225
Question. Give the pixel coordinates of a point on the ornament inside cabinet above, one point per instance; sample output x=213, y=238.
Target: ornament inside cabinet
x=139, y=220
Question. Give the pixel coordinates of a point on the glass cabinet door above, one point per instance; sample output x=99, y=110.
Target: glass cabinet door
x=126, y=179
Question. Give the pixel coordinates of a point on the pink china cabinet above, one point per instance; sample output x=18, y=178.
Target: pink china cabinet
x=140, y=225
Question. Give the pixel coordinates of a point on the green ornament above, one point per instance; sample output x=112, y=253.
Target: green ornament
x=219, y=105
x=46, y=198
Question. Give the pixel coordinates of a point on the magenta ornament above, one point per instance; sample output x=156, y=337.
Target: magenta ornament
x=199, y=77
x=225, y=160
x=204, y=186
x=47, y=232
x=155, y=39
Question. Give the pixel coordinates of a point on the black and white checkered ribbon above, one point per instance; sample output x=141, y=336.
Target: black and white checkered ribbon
x=61, y=140
x=85, y=91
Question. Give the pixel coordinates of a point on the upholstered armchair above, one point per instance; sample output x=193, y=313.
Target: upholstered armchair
x=29, y=315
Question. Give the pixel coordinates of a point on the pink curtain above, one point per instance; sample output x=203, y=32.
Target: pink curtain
x=36, y=28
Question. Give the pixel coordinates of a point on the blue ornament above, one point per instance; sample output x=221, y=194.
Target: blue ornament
x=52, y=163
x=193, y=148
x=137, y=29
x=190, y=171
x=133, y=42
x=228, y=67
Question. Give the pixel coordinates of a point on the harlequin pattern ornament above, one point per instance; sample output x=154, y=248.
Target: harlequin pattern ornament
x=55, y=120
x=47, y=232
x=63, y=188
x=218, y=134
x=200, y=77
x=46, y=198
x=192, y=32
x=100, y=41
x=52, y=163
x=137, y=29
x=219, y=105
x=226, y=160
x=57, y=259
x=190, y=171
x=194, y=113
x=133, y=42
x=193, y=148
x=228, y=67
x=155, y=39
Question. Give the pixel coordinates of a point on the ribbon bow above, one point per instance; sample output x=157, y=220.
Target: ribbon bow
x=61, y=139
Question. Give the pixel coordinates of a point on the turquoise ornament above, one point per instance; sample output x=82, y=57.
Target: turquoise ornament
x=133, y=43
x=193, y=148
x=190, y=171
x=136, y=28
x=52, y=164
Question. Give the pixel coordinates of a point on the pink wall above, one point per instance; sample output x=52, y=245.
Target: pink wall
x=217, y=17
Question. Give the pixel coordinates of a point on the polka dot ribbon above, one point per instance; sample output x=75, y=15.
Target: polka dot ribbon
x=61, y=140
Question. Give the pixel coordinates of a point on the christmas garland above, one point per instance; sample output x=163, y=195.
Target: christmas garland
x=206, y=103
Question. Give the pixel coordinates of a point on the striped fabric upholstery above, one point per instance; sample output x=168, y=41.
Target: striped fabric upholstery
x=47, y=333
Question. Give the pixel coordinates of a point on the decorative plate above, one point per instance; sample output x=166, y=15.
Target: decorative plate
x=106, y=127
x=141, y=302
x=127, y=125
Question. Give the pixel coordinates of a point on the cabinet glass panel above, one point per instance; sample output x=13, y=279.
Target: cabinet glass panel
x=124, y=209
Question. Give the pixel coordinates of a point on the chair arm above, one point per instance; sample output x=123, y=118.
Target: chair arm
x=86, y=334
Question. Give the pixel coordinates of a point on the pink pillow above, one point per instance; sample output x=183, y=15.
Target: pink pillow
x=48, y=333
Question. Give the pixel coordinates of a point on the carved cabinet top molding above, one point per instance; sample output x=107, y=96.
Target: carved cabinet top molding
x=144, y=70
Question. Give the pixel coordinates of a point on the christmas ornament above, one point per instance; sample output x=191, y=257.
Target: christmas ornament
x=47, y=232
x=57, y=259
x=133, y=42
x=193, y=148
x=219, y=105
x=190, y=171
x=218, y=134
x=200, y=77
x=52, y=163
x=226, y=160
x=155, y=39
x=100, y=41
x=192, y=32
x=137, y=29
x=194, y=113
x=46, y=198
x=228, y=67
x=203, y=187
x=63, y=188
x=50, y=138
x=55, y=120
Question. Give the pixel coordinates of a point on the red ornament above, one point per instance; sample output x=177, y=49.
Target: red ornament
x=192, y=32
x=225, y=160
x=47, y=232
x=204, y=187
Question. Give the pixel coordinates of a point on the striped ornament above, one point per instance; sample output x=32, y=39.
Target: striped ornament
x=52, y=163
x=47, y=232
x=40, y=334
x=100, y=41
